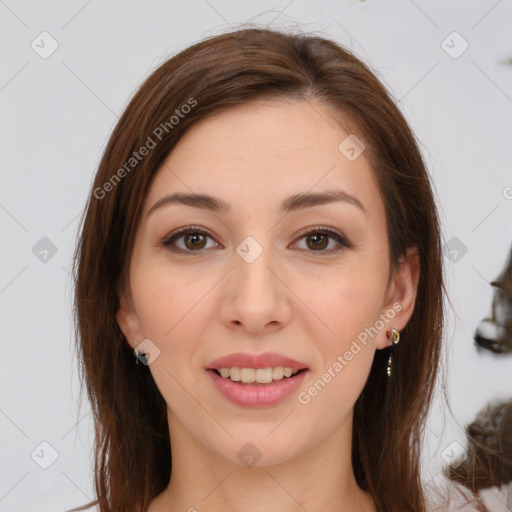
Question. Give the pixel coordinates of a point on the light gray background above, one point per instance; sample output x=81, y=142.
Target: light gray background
x=56, y=116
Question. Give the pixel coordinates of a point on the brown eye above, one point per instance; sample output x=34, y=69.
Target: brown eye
x=319, y=240
x=188, y=240
x=194, y=241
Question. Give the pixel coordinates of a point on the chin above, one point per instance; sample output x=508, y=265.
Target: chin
x=256, y=448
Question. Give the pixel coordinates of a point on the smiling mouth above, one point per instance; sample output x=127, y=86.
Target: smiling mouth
x=257, y=376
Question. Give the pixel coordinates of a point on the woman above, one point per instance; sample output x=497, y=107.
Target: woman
x=259, y=286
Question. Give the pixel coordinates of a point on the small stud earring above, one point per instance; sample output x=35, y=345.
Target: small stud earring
x=394, y=336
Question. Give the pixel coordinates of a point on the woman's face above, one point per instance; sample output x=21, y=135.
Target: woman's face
x=271, y=264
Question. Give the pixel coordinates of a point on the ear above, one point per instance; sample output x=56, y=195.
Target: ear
x=400, y=295
x=128, y=321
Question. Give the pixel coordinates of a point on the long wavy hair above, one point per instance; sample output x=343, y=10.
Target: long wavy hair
x=132, y=462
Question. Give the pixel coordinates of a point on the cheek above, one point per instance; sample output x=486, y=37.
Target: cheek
x=349, y=309
x=347, y=305
x=165, y=300
x=170, y=310
x=174, y=309
x=345, y=350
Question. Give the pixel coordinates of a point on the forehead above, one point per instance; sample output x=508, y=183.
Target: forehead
x=286, y=130
x=266, y=149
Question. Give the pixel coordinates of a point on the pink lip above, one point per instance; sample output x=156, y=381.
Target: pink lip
x=265, y=360
x=256, y=395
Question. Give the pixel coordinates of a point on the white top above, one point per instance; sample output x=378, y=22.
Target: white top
x=453, y=497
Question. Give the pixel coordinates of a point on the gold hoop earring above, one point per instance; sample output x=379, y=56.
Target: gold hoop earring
x=394, y=336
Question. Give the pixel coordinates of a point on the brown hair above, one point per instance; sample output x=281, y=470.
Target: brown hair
x=132, y=448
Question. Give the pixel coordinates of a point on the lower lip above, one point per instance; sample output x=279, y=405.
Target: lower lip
x=258, y=395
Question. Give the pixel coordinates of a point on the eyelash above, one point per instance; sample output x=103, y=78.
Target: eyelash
x=169, y=240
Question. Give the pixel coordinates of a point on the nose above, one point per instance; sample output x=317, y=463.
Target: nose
x=255, y=295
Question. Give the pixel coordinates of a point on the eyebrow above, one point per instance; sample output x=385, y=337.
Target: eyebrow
x=292, y=203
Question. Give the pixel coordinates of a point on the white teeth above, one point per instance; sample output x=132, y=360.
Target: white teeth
x=278, y=373
x=259, y=375
x=234, y=374
x=264, y=375
x=247, y=374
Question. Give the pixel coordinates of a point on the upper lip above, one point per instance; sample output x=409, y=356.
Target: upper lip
x=265, y=360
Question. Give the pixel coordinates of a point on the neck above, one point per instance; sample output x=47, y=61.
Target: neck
x=316, y=480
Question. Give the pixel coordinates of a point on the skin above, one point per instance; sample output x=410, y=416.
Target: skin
x=294, y=299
